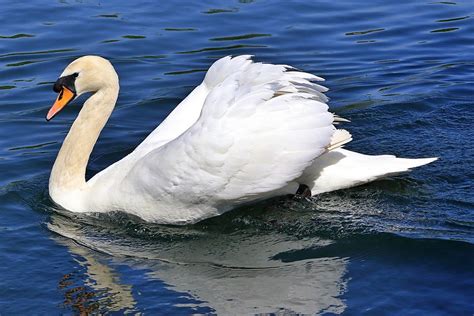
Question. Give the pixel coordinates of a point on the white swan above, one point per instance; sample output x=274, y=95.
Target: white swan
x=248, y=132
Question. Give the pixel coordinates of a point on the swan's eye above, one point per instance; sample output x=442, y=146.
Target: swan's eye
x=66, y=81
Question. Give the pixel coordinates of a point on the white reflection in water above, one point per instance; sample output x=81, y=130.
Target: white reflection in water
x=102, y=278
x=232, y=273
x=307, y=287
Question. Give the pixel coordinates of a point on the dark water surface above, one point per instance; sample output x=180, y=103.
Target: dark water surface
x=402, y=72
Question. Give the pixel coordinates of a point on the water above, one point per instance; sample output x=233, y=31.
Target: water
x=402, y=72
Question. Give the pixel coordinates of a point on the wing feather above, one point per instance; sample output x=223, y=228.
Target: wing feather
x=260, y=126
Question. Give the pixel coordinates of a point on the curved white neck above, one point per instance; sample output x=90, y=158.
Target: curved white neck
x=69, y=169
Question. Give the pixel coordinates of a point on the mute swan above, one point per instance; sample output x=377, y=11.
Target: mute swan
x=248, y=132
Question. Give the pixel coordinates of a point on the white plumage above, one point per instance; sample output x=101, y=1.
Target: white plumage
x=248, y=132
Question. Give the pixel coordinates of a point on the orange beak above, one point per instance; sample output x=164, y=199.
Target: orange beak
x=64, y=97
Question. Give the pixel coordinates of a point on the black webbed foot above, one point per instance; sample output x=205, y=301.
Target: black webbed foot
x=303, y=192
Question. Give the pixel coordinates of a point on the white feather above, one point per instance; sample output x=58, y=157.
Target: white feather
x=247, y=144
x=340, y=169
x=248, y=132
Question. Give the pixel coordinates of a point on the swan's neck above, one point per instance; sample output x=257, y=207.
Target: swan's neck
x=69, y=169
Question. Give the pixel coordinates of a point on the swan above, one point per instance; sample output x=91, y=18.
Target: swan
x=250, y=131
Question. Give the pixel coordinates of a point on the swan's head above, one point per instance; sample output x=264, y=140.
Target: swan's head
x=85, y=74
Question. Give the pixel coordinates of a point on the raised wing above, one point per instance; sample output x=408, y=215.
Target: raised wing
x=260, y=126
x=188, y=111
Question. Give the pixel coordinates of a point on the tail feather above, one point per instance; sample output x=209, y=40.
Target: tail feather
x=339, y=138
x=340, y=169
x=338, y=119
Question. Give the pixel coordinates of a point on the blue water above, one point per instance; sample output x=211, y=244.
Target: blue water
x=402, y=72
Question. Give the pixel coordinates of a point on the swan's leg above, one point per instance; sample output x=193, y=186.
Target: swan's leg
x=302, y=192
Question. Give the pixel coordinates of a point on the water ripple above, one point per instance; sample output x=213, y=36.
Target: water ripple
x=402, y=72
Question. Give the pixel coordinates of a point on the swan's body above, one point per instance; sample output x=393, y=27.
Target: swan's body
x=248, y=132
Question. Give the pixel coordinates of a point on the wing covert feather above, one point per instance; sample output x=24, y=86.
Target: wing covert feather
x=260, y=126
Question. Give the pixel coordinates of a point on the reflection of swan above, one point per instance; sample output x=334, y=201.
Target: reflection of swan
x=101, y=278
x=250, y=131
x=230, y=273
x=305, y=287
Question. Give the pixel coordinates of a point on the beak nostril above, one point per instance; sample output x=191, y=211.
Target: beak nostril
x=65, y=96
